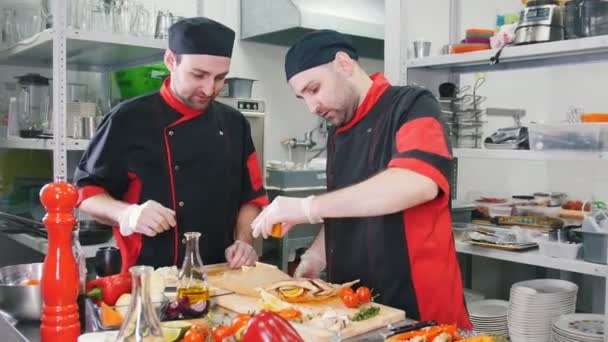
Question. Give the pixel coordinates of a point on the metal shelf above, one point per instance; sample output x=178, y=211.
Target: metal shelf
x=98, y=51
x=41, y=244
x=525, y=56
x=42, y=144
x=481, y=153
x=535, y=258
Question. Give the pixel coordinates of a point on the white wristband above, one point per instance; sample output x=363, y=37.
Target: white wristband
x=306, y=204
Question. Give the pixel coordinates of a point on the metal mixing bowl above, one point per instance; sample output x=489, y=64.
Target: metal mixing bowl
x=23, y=302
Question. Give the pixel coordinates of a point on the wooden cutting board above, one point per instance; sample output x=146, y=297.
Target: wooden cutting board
x=387, y=315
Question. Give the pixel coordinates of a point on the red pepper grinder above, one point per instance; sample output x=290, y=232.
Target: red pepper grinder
x=60, y=273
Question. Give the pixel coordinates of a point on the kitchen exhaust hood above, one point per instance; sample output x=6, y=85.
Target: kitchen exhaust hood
x=281, y=22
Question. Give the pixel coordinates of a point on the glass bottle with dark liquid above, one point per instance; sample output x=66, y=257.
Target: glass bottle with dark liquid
x=192, y=280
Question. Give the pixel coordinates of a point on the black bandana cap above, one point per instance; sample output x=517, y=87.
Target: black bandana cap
x=316, y=48
x=201, y=36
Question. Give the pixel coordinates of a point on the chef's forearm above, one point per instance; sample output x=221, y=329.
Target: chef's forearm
x=246, y=215
x=318, y=245
x=391, y=191
x=103, y=208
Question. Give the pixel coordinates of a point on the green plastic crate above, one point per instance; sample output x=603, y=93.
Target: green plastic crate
x=140, y=80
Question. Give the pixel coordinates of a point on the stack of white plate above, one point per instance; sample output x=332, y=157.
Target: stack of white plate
x=489, y=316
x=535, y=304
x=579, y=328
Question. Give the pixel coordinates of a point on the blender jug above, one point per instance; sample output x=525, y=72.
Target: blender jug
x=33, y=105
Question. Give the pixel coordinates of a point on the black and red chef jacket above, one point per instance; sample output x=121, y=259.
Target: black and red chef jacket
x=203, y=165
x=409, y=257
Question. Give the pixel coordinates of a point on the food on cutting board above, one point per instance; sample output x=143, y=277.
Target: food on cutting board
x=247, y=279
x=305, y=290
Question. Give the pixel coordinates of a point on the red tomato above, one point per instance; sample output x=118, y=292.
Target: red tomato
x=344, y=291
x=192, y=335
x=220, y=332
x=350, y=300
x=239, y=321
x=364, y=294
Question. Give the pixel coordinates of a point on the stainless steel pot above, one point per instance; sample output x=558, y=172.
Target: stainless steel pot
x=23, y=302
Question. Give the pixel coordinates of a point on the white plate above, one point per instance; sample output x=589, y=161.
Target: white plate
x=581, y=325
x=489, y=308
x=105, y=336
x=545, y=286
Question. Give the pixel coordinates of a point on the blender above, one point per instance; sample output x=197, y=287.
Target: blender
x=33, y=105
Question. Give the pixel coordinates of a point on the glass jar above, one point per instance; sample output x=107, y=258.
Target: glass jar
x=141, y=323
x=192, y=280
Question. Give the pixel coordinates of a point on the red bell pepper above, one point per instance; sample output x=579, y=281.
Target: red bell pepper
x=108, y=289
x=267, y=326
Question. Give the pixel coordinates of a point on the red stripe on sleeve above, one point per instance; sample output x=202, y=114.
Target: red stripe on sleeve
x=89, y=191
x=427, y=170
x=424, y=134
x=255, y=174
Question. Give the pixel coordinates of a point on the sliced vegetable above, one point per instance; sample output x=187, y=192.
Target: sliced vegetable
x=109, y=288
x=122, y=304
x=366, y=313
x=197, y=310
x=110, y=317
x=182, y=326
x=267, y=326
x=290, y=313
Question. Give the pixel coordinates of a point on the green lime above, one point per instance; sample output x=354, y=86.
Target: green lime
x=175, y=330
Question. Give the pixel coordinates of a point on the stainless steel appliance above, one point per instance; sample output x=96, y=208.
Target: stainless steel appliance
x=33, y=105
x=541, y=21
x=586, y=18
x=255, y=112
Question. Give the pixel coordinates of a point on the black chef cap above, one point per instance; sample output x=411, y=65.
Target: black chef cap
x=316, y=48
x=201, y=36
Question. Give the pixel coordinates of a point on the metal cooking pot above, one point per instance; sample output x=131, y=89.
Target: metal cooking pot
x=23, y=302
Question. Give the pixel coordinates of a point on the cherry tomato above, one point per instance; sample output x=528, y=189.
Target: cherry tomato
x=202, y=329
x=220, y=332
x=239, y=321
x=193, y=335
x=364, y=294
x=350, y=300
x=344, y=291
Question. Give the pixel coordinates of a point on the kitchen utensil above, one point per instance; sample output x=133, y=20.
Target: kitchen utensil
x=578, y=328
x=88, y=127
x=463, y=48
x=76, y=92
x=409, y=327
x=447, y=89
x=10, y=33
x=540, y=21
x=586, y=18
x=33, y=105
x=107, y=261
x=422, y=48
x=23, y=302
x=163, y=22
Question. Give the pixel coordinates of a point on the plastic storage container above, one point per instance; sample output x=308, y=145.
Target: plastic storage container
x=560, y=249
x=595, y=246
x=569, y=136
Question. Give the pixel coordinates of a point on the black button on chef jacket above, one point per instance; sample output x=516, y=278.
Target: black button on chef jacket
x=408, y=257
x=203, y=165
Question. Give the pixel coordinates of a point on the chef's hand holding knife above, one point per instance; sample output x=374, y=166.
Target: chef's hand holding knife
x=288, y=212
x=149, y=218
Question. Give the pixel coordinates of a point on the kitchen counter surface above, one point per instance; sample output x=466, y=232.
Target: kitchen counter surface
x=41, y=244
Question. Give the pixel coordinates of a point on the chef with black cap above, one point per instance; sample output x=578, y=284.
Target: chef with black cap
x=387, y=211
x=175, y=161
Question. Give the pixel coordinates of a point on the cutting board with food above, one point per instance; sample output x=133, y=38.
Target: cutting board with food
x=318, y=310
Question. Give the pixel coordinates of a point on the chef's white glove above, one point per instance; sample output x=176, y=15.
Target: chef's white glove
x=288, y=211
x=240, y=253
x=311, y=265
x=149, y=218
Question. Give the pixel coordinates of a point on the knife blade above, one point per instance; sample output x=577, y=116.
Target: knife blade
x=409, y=327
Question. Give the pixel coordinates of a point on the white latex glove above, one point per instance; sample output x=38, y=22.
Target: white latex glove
x=288, y=211
x=240, y=253
x=149, y=218
x=311, y=265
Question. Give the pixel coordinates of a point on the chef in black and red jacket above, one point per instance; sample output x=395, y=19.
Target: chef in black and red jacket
x=387, y=211
x=175, y=161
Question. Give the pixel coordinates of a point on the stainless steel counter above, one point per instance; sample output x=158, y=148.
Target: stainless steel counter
x=41, y=244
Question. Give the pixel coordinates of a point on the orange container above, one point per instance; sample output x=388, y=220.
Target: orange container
x=594, y=117
x=462, y=48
